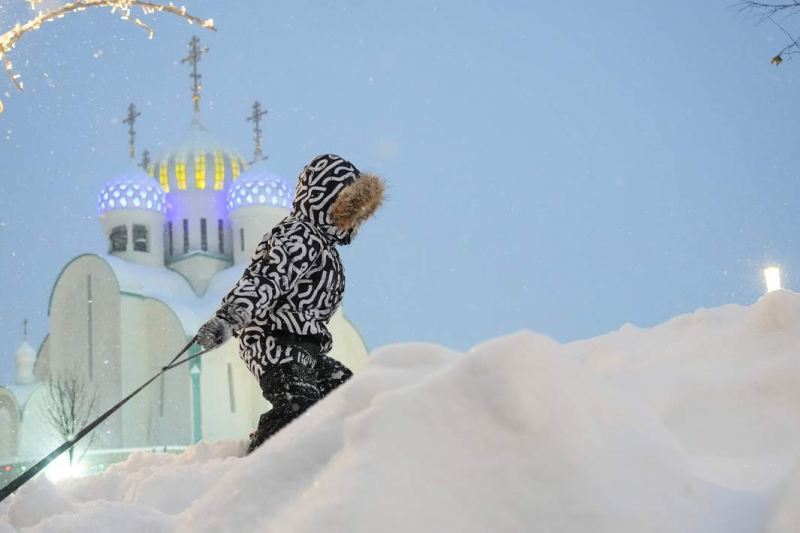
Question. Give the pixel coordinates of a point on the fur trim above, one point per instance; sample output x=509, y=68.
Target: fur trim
x=358, y=202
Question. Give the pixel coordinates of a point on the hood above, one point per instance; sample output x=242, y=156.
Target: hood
x=336, y=198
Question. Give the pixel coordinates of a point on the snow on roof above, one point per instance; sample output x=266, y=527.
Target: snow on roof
x=174, y=290
x=21, y=392
x=690, y=426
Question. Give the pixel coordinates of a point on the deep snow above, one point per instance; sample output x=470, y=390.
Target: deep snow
x=692, y=426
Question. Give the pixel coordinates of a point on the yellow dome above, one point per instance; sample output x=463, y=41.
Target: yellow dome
x=197, y=163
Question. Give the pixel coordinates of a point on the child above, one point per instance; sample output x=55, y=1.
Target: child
x=293, y=286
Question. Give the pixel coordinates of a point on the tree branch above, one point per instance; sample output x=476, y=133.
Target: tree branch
x=9, y=39
x=766, y=11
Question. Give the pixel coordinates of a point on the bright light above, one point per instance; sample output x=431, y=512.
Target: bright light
x=60, y=469
x=772, y=276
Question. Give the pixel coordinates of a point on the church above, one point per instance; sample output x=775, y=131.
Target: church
x=180, y=229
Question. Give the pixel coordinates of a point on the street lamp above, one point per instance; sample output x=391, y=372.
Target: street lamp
x=772, y=276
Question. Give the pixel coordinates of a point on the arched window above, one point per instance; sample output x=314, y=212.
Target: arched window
x=221, y=235
x=140, y=243
x=119, y=239
x=203, y=235
x=185, y=236
x=170, y=239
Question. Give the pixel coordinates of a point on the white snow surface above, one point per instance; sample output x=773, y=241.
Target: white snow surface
x=691, y=426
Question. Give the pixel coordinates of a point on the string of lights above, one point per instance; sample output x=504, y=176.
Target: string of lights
x=9, y=39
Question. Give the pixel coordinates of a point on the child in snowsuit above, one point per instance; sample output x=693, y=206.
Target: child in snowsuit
x=291, y=289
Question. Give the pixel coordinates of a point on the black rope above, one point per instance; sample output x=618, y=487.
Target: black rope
x=26, y=476
x=179, y=363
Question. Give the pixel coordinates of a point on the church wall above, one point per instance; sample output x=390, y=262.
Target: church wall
x=348, y=346
x=41, y=371
x=252, y=223
x=199, y=269
x=231, y=397
x=194, y=205
x=38, y=437
x=9, y=422
x=135, y=370
x=85, y=324
x=151, y=336
x=152, y=220
x=170, y=411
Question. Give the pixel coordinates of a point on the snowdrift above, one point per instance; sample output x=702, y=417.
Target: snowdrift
x=692, y=426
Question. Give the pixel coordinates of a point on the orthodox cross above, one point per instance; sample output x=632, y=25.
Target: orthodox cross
x=131, y=122
x=194, y=57
x=145, y=160
x=25, y=329
x=256, y=119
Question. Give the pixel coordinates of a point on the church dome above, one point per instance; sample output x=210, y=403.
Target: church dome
x=196, y=163
x=260, y=187
x=133, y=190
x=25, y=358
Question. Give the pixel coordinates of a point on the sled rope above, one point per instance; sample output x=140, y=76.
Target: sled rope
x=26, y=476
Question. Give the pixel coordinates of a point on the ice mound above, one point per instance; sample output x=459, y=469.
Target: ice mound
x=692, y=426
x=725, y=382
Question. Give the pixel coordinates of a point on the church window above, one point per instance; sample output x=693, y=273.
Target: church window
x=241, y=237
x=203, y=235
x=170, y=239
x=219, y=171
x=180, y=174
x=119, y=239
x=221, y=235
x=185, y=235
x=163, y=175
x=200, y=171
x=231, y=395
x=140, y=238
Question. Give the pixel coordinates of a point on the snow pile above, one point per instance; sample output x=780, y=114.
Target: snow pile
x=693, y=426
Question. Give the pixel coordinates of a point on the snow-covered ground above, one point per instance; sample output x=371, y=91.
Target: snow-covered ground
x=692, y=426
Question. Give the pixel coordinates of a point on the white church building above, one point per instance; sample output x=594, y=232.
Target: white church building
x=179, y=236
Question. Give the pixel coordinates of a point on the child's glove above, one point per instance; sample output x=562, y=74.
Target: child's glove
x=214, y=333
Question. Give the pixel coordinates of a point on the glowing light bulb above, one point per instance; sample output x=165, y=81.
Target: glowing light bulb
x=772, y=276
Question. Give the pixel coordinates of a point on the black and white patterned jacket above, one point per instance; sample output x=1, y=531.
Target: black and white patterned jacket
x=295, y=281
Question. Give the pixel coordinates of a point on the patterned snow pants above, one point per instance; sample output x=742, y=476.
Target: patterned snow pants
x=292, y=388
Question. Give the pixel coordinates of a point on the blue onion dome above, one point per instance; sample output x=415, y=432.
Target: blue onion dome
x=260, y=187
x=132, y=190
x=197, y=162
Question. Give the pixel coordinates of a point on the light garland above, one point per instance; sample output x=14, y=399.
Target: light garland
x=9, y=39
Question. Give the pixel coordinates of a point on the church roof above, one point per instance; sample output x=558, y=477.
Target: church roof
x=131, y=189
x=197, y=162
x=174, y=290
x=21, y=393
x=25, y=350
x=259, y=186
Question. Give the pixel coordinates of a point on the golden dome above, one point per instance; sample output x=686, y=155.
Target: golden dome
x=197, y=163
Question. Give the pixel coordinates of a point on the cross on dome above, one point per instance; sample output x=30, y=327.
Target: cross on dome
x=130, y=120
x=195, y=54
x=256, y=119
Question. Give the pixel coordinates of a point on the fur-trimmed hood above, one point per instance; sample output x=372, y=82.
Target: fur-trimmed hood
x=334, y=196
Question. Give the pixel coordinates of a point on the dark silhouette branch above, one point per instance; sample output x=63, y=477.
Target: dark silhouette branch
x=777, y=13
x=71, y=402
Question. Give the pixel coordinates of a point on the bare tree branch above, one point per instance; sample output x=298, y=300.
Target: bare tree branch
x=9, y=39
x=71, y=402
x=770, y=12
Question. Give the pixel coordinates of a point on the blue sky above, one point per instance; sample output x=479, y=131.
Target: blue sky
x=560, y=167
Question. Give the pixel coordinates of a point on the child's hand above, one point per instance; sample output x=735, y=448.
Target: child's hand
x=214, y=333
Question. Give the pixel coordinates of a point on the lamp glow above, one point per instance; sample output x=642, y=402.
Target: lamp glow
x=60, y=469
x=772, y=276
